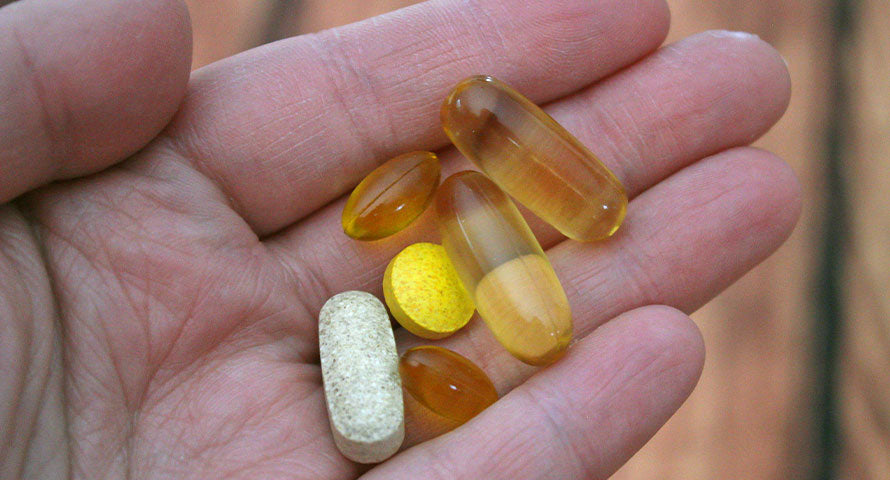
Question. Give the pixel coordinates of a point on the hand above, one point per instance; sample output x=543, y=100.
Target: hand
x=167, y=243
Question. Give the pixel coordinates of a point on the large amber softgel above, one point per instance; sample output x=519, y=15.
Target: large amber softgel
x=446, y=382
x=391, y=196
x=533, y=158
x=502, y=266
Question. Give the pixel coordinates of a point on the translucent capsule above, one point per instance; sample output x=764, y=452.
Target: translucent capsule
x=391, y=196
x=502, y=266
x=446, y=382
x=533, y=158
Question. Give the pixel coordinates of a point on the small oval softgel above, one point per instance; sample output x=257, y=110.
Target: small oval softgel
x=446, y=382
x=424, y=293
x=533, y=158
x=392, y=196
x=360, y=371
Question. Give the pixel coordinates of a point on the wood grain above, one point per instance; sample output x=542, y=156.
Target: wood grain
x=316, y=15
x=865, y=356
x=748, y=417
x=222, y=28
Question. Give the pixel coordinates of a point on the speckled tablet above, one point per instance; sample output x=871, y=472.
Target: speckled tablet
x=360, y=370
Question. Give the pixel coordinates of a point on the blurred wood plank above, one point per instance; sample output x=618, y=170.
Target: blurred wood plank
x=222, y=28
x=317, y=15
x=748, y=417
x=865, y=357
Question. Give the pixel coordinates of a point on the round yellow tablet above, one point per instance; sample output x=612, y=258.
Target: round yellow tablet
x=424, y=293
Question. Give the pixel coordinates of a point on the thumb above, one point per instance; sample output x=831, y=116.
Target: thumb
x=85, y=84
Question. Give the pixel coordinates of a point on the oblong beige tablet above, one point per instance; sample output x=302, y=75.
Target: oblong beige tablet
x=360, y=371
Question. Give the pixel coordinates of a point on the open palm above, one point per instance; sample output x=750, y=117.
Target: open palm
x=158, y=299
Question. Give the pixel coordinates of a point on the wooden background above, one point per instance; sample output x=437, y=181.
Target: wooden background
x=762, y=409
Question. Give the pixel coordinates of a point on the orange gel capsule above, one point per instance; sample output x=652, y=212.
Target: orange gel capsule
x=502, y=266
x=392, y=196
x=533, y=158
x=446, y=382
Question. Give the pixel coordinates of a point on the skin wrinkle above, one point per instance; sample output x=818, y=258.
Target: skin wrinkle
x=511, y=456
x=153, y=374
x=129, y=397
x=17, y=389
x=234, y=334
x=220, y=427
x=86, y=258
x=206, y=448
x=674, y=57
x=171, y=198
x=39, y=458
x=438, y=464
x=241, y=397
x=653, y=175
x=555, y=426
x=46, y=119
x=111, y=450
x=583, y=48
x=651, y=363
x=353, y=74
x=677, y=362
x=495, y=41
x=137, y=302
x=197, y=161
x=120, y=281
x=614, y=388
x=307, y=278
x=605, y=126
x=315, y=135
x=125, y=443
x=353, y=32
x=346, y=72
x=634, y=261
x=148, y=237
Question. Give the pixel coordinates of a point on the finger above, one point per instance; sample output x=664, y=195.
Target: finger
x=288, y=127
x=31, y=385
x=85, y=84
x=702, y=95
x=581, y=418
x=683, y=242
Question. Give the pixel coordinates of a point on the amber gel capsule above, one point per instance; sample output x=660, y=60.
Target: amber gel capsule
x=446, y=382
x=533, y=158
x=502, y=266
x=391, y=196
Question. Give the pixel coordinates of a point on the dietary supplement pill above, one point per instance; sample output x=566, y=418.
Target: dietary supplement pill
x=446, y=382
x=424, y=294
x=359, y=367
x=533, y=158
x=502, y=266
x=392, y=196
